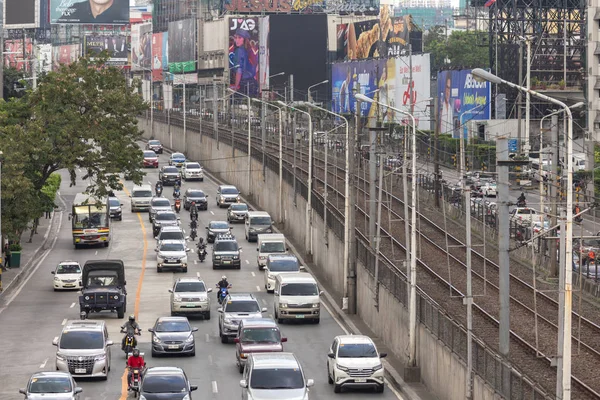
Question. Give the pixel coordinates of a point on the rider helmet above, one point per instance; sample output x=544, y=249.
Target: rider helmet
x=224, y=278
x=136, y=352
x=132, y=318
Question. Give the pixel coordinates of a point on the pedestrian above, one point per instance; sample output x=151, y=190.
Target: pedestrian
x=6, y=256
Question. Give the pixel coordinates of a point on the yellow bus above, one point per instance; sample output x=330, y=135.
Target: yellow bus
x=90, y=221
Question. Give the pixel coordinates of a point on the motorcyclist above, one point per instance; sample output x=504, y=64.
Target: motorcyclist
x=521, y=199
x=193, y=211
x=159, y=187
x=222, y=284
x=201, y=248
x=194, y=224
x=130, y=327
x=135, y=361
x=176, y=190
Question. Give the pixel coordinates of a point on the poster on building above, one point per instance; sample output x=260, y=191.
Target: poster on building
x=420, y=87
x=301, y=6
x=114, y=45
x=264, y=29
x=349, y=76
x=89, y=12
x=157, y=56
x=461, y=98
x=44, y=57
x=182, y=46
x=141, y=47
x=244, y=55
x=17, y=57
x=65, y=54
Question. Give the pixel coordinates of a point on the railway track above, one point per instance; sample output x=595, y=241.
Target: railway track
x=529, y=353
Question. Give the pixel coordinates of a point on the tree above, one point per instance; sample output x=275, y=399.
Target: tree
x=81, y=117
x=12, y=81
x=461, y=50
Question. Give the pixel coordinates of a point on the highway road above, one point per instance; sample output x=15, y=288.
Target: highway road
x=34, y=315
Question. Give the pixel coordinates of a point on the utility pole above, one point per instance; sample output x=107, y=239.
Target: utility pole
x=468, y=300
x=378, y=236
x=527, y=145
x=554, y=182
x=263, y=124
x=406, y=223
x=560, y=360
x=293, y=116
x=216, y=111
x=2, y=63
x=372, y=180
x=249, y=144
x=502, y=168
x=436, y=156
x=519, y=111
x=351, y=155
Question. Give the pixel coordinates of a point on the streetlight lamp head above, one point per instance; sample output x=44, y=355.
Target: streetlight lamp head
x=281, y=103
x=481, y=74
x=362, y=97
x=577, y=105
x=231, y=90
x=325, y=81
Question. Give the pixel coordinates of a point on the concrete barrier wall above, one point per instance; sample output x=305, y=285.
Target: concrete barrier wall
x=441, y=371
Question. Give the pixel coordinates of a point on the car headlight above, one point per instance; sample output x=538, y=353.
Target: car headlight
x=56, y=278
x=316, y=305
x=238, y=198
x=227, y=321
x=273, y=278
x=161, y=256
x=186, y=397
x=142, y=397
x=341, y=368
x=217, y=257
x=222, y=198
x=177, y=299
x=190, y=339
x=203, y=298
x=236, y=257
x=60, y=357
x=243, y=355
x=377, y=367
x=283, y=305
x=155, y=339
x=262, y=257
x=100, y=357
x=252, y=230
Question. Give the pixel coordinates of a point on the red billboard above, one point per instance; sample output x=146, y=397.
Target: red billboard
x=14, y=57
x=65, y=54
x=157, y=56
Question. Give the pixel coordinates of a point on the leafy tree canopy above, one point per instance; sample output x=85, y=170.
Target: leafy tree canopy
x=460, y=50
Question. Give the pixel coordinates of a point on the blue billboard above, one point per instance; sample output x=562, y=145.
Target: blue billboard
x=461, y=98
x=356, y=74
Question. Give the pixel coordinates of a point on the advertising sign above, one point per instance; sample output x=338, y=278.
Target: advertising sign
x=115, y=45
x=65, y=54
x=461, y=98
x=182, y=46
x=141, y=47
x=384, y=37
x=44, y=57
x=14, y=57
x=157, y=56
x=264, y=53
x=85, y=12
x=19, y=14
x=301, y=6
x=347, y=76
x=243, y=55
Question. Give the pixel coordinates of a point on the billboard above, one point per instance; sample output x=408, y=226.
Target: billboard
x=384, y=37
x=243, y=55
x=301, y=6
x=461, y=98
x=115, y=45
x=86, y=12
x=17, y=57
x=387, y=81
x=44, y=57
x=65, y=54
x=141, y=47
x=159, y=51
x=182, y=46
x=19, y=14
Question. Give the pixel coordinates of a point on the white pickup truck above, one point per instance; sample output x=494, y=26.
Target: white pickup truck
x=525, y=214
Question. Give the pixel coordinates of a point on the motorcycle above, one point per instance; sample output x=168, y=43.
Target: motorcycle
x=521, y=203
x=202, y=253
x=578, y=219
x=223, y=292
x=194, y=233
x=159, y=190
x=136, y=378
x=129, y=343
x=177, y=205
x=176, y=193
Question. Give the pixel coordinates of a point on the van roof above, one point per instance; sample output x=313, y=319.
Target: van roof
x=86, y=325
x=142, y=187
x=298, y=277
x=258, y=214
x=263, y=237
x=274, y=360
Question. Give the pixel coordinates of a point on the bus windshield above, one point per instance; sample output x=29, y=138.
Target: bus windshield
x=89, y=217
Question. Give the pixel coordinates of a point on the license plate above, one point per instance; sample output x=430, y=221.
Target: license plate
x=226, y=262
x=191, y=306
x=173, y=346
x=68, y=285
x=80, y=370
x=300, y=316
x=360, y=380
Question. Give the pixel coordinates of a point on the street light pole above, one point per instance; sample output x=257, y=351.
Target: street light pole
x=413, y=235
x=563, y=384
x=308, y=237
x=309, y=97
x=462, y=144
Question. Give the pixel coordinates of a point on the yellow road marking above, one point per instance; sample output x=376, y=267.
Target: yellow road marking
x=138, y=293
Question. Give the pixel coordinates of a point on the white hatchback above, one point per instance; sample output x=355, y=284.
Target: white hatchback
x=67, y=275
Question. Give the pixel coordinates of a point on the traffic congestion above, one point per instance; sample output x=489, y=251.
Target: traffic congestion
x=178, y=289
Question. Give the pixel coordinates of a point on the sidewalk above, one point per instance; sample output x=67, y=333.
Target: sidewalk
x=29, y=255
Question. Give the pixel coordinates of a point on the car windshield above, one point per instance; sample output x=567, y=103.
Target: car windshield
x=172, y=247
x=229, y=191
x=261, y=335
x=142, y=193
x=196, y=193
x=172, y=326
x=277, y=378
x=272, y=247
x=153, y=142
x=229, y=245
x=50, y=384
x=161, y=203
x=299, y=289
x=149, y=154
x=171, y=170
x=260, y=221
x=242, y=306
x=218, y=225
x=102, y=281
x=114, y=202
x=166, y=217
x=239, y=207
x=172, y=236
x=68, y=269
x=526, y=211
x=81, y=340
x=177, y=155
x=193, y=166
x=168, y=383
x=290, y=265
x=357, y=350
x=190, y=287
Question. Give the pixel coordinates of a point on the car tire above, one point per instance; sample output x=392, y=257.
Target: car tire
x=224, y=339
x=207, y=315
x=104, y=378
x=121, y=312
x=337, y=388
x=240, y=368
x=184, y=270
x=201, y=179
x=153, y=354
x=121, y=218
x=158, y=270
x=329, y=380
x=106, y=244
x=173, y=314
x=380, y=389
x=193, y=353
x=316, y=321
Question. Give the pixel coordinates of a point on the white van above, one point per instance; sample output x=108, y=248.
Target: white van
x=297, y=297
x=257, y=222
x=269, y=243
x=141, y=197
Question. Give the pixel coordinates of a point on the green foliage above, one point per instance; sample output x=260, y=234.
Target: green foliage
x=461, y=50
x=81, y=117
x=15, y=247
x=12, y=80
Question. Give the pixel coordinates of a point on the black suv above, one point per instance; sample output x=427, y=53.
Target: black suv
x=166, y=383
x=163, y=218
x=226, y=252
x=196, y=195
x=155, y=146
x=168, y=175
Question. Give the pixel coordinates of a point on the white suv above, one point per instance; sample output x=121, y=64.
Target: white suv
x=190, y=296
x=192, y=170
x=171, y=254
x=353, y=360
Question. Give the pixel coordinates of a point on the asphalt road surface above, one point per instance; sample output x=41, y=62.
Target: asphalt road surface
x=33, y=316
